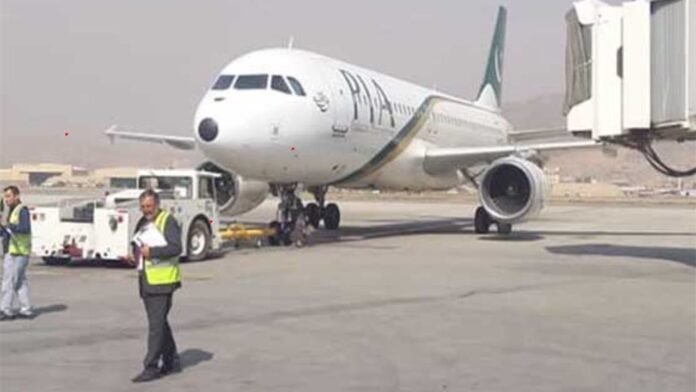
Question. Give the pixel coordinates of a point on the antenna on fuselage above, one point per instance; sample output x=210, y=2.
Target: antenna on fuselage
x=291, y=42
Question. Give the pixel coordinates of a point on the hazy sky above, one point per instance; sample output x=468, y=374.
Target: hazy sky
x=81, y=65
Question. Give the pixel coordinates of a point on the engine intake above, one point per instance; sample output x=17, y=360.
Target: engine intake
x=513, y=189
x=234, y=194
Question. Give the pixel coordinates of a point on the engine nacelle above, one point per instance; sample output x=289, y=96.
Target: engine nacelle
x=236, y=195
x=513, y=189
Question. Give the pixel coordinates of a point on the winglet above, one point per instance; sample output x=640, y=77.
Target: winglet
x=110, y=133
x=491, y=91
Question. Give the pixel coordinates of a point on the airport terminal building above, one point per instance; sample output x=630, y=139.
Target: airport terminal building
x=59, y=175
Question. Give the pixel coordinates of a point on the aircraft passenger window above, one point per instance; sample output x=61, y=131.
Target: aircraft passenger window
x=224, y=82
x=296, y=86
x=278, y=84
x=251, y=82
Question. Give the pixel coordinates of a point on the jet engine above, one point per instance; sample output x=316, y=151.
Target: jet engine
x=513, y=190
x=235, y=195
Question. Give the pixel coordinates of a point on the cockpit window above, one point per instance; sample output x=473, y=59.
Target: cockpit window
x=278, y=84
x=251, y=82
x=224, y=82
x=296, y=86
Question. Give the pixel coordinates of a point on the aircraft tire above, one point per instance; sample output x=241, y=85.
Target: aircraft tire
x=313, y=213
x=332, y=217
x=482, y=221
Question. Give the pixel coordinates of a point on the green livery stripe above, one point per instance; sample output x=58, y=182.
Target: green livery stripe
x=399, y=143
x=494, y=69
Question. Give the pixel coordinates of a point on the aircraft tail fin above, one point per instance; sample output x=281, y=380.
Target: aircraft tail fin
x=490, y=93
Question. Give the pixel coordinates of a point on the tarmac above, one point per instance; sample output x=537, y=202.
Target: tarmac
x=405, y=297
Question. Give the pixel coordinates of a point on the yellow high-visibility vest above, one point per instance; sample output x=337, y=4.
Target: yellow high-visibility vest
x=20, y=244
x=164, y=271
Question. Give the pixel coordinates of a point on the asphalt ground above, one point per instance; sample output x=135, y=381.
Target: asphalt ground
x=404, y=297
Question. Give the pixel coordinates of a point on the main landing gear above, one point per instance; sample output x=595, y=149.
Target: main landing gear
x=293, y=217
x=316, y=212
x=483, y=222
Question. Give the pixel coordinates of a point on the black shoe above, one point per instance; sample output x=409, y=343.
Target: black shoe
x=6, y=317
x=172, y=368
x=26, y=315
x=147, y=375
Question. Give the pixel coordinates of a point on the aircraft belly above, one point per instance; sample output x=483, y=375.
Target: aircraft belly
x=406, y=172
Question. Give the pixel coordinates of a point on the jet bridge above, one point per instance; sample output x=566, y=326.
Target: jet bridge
x=631, y=74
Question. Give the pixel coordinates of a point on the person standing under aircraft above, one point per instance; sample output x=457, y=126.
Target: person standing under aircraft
x=16, y=234
x=159, y=276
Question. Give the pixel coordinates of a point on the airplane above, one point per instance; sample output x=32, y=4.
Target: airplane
x=278, y=118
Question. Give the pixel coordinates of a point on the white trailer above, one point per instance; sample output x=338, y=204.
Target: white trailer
x=101, y=229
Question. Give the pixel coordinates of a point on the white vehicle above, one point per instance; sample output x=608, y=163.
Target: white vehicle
x=286, y=117
x=102, y=229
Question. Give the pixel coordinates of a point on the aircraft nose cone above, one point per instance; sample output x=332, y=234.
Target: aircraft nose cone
x=208, y=129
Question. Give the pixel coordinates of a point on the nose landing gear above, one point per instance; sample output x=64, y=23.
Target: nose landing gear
x=293, y=218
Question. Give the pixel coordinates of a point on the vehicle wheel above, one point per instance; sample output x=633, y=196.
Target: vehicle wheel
x=56, y=260
x=313, y=213
x=504, y=228
x=198, y=243
x=274, y=240
x=332, y=217
x=482, y=221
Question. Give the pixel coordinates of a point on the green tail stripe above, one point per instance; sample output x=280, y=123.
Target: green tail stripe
x=494, y=68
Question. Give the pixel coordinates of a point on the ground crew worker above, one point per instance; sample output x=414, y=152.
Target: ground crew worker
x=16, y=238
x=159, y=277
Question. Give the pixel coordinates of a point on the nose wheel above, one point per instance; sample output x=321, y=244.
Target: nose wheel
x=294, y=219
x=290, y=225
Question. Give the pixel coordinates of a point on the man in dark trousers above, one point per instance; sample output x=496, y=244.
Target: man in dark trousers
x=159, y=277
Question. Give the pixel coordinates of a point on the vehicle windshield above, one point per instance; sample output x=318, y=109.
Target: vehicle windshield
x=181, y=187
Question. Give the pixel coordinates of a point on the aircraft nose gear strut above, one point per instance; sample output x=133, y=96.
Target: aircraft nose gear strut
x=290, y=224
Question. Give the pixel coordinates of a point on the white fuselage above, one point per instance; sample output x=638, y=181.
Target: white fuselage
x=352, y=128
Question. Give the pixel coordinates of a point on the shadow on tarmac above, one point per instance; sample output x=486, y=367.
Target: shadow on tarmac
x=193, y=356
x=41, y=310
x=685, y=256
x=463, y=226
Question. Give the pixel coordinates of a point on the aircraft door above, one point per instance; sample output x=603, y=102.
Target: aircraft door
x=342, y=109
x=339, y=100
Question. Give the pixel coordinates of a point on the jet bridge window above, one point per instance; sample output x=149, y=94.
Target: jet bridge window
x=278, y=84
x=224, y=82
x=578, y=62
x=251, y=82
x=296, y=86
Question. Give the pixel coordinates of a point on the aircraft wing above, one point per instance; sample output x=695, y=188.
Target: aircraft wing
x=179, y=142
x=440, y=160
x=545, y=134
